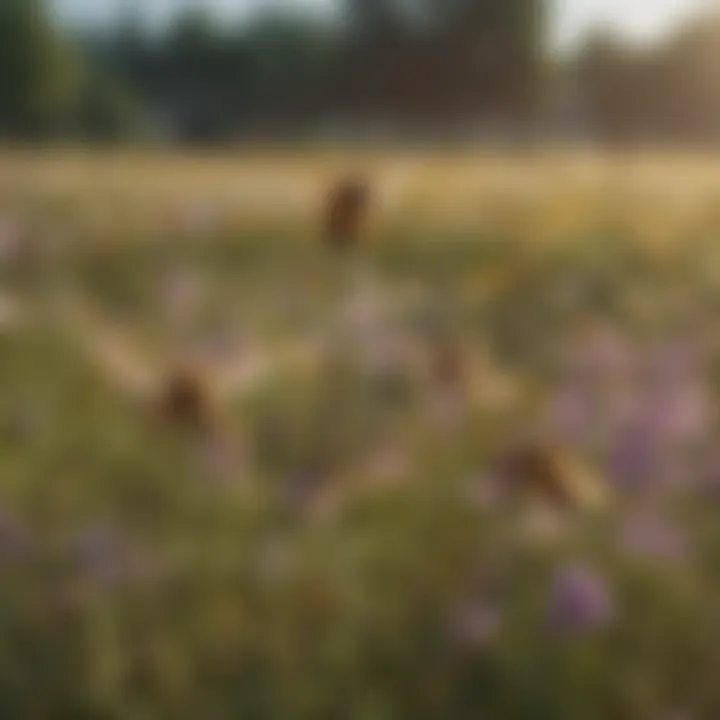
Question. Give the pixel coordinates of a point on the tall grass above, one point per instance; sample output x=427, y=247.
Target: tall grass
x=345, y=548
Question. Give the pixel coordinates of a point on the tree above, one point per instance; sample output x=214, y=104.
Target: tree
x=605, y=73
x=291, y=58
x=40, y=73
x=688, y=72
x=445, y=60
x=109, y=111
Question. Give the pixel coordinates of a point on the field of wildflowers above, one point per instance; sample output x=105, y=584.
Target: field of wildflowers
x=340, y=540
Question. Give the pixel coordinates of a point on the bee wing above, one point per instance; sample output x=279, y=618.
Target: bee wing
x=111, y=351
x=495, y=388
x=245, y=375
x=122, y=363
x=586, y=488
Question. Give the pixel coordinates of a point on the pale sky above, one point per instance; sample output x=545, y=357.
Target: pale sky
x=644, y=19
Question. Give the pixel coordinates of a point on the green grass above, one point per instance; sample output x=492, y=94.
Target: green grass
x=199, y=594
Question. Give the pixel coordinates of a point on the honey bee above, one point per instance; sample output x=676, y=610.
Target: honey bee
x=188, y=394
x=449, y=365
x=185, y=399
x=551, y=474
x=346, y=209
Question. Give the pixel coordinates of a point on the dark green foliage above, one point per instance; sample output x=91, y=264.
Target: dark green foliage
x=277, y=74
x=40, y=74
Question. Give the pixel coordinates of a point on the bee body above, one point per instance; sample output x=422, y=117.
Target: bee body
x=552, y=475
x=347, y=207
x=185, y=400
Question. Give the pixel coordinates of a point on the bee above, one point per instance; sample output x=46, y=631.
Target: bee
x=185, y=399
x=186, y=394
x=346, y=209
x=551, y=474
x=449, y=366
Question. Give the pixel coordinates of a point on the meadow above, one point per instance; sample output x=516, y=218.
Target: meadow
x=345, y=547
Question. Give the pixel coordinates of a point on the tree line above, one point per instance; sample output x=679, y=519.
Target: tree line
x=666, y=93
x=420, y=66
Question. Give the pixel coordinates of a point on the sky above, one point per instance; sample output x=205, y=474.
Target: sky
x=641, y=19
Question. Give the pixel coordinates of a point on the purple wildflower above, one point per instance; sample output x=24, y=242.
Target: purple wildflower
x=389, y=463
x=102, y=555
x=274, y=559
x=12, y=235
x=107, y=557
x=220, y=459
x=581, y=601
x=302, y=488
x=486, y=492
x=475, y=624
x=383, y=354
x=711, y=486
x=709, y=473
x=635, y=461
x=180, y=294
x=570, y=413
x=223, y=344
x=16, y=539
x=650, y=537
x=363, y=315
x=678, y=412
x=676, y=360
x=449, y=407
x=622, y=406
x=603, y=352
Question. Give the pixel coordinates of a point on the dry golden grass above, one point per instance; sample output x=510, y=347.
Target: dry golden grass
x=338, y=544
x=549, y=196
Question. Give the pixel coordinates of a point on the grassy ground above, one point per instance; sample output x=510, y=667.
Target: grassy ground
x=340, y=547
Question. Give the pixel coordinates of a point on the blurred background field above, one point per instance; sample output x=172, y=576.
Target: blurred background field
x=267, y=453
x=420, y=191
x=343, y=548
